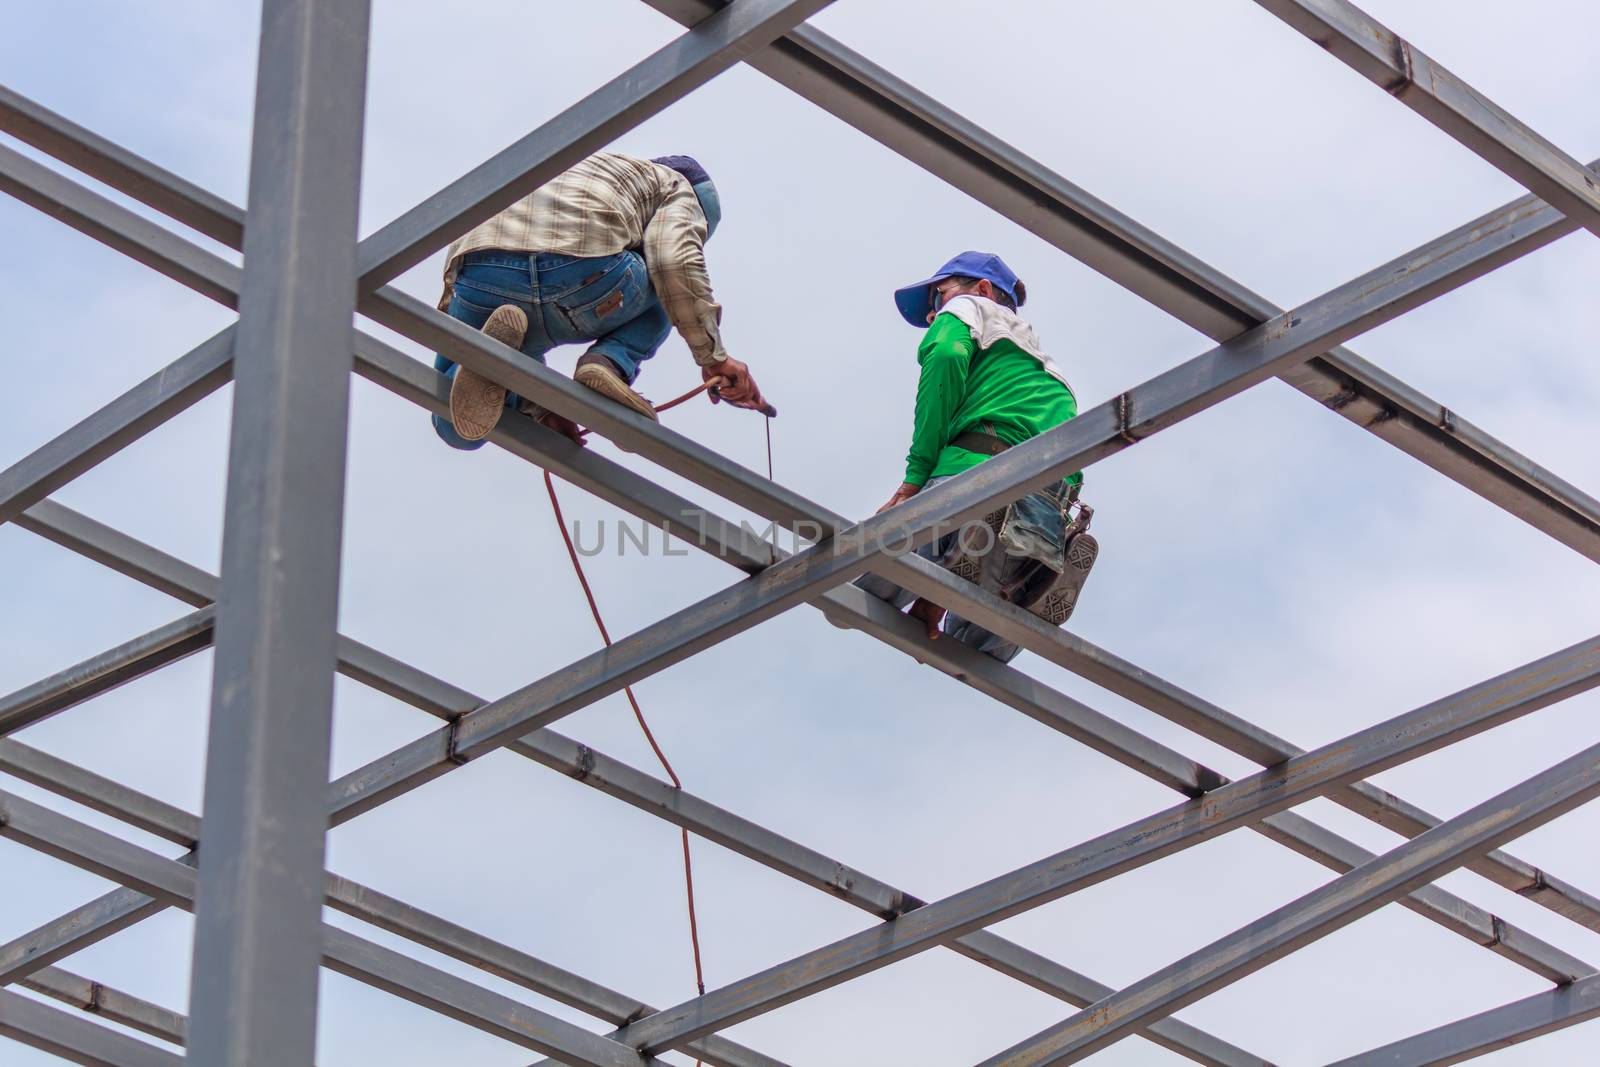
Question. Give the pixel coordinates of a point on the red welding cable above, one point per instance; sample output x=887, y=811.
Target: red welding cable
x=594, y=608
x=638, y=714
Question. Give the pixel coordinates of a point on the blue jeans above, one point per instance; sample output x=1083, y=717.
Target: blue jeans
x=968, y=633
x=607, y=300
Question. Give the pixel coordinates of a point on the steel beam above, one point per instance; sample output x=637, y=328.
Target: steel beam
x=1359, y=755
x=715, y=43
x=171, y=390
x=254, y=985
x=1524, y=807
x=685, y=810
x=1412, y=77
x=1488, y=1031
x=1100, y=431
x=381, y=363
x=108, y=1003
x=352, y=898
x=1551, y=963
x=594, y=769
x=74, y=1038
x=148, y=652
x=898, y=115
x=173, y=882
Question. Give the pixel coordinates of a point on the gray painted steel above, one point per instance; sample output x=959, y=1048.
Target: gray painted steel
x=173, y=882
x=1488, y=704
x=108, y=1003
x=1516, y=811
x=1497, y=1028
x=1409, y=75
x=74, y=1038
x=253, y=993
x=294, y=341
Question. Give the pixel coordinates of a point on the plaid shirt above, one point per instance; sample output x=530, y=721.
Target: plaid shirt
x=605, y=205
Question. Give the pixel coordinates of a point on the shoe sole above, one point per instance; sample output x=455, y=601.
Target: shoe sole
x=967, y=563
x=609, y=384
x=1056, y=605
x=476, y=402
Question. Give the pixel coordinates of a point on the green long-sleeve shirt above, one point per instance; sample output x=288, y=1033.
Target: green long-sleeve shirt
x=1000, y=390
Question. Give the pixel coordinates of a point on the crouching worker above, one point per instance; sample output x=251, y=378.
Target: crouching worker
x=610, y=254
x=985, y=386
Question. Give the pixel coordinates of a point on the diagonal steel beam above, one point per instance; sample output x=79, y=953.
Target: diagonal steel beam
x=1549, y=963
x=634, y=787
x=352, y=898
x=848, y=607
x=715, y=43
x=165, y=644
x=895, y=113
x=173, y=882
x=1367, y=752
x=1416, y=80
x=595, y=769
x=760, y=495
x=108, y=1003
x=1524, y=807
x=1489, y=1031
x=74, y=1038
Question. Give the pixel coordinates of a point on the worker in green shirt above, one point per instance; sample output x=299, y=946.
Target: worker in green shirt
x=986, y=385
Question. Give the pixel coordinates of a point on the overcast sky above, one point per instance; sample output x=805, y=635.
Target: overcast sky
x=1266, y=555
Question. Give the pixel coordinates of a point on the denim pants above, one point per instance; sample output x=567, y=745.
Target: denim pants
x=968, y=633
x=606, y=300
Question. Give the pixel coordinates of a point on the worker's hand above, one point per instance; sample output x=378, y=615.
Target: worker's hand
x=930, y=613
x=901, y=495
x=563, y=426
x=733, y=383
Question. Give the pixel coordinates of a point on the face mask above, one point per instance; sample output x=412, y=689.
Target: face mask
x=711, y=204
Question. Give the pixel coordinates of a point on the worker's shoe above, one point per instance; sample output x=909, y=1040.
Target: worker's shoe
x=977, y=545
x=600, y=374
x=476, y=402
x=1054, y=599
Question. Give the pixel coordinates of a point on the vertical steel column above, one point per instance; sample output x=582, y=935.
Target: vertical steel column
x=258, y=935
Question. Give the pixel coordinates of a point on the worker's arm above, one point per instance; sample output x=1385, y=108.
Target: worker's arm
x=674, y=251
x=945, y=355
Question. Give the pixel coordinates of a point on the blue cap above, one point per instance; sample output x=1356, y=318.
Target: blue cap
x=704, y=189
x=913, y=300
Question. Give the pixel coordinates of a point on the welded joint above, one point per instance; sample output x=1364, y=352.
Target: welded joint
x=1535, y=887
x=452, y=741
x=1125, y=418
x=94, y=1005
x=1497, y=932
x=1347, y=394
x=635, y=1015
x=1447, y=420
x=1408, y=73
x=843, y=885
x=583, y=766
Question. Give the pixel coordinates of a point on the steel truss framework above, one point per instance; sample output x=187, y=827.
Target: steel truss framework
x=257, y=884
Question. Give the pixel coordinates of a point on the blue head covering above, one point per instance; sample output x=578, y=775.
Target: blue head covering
x=700, y=181
x=914, y=300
